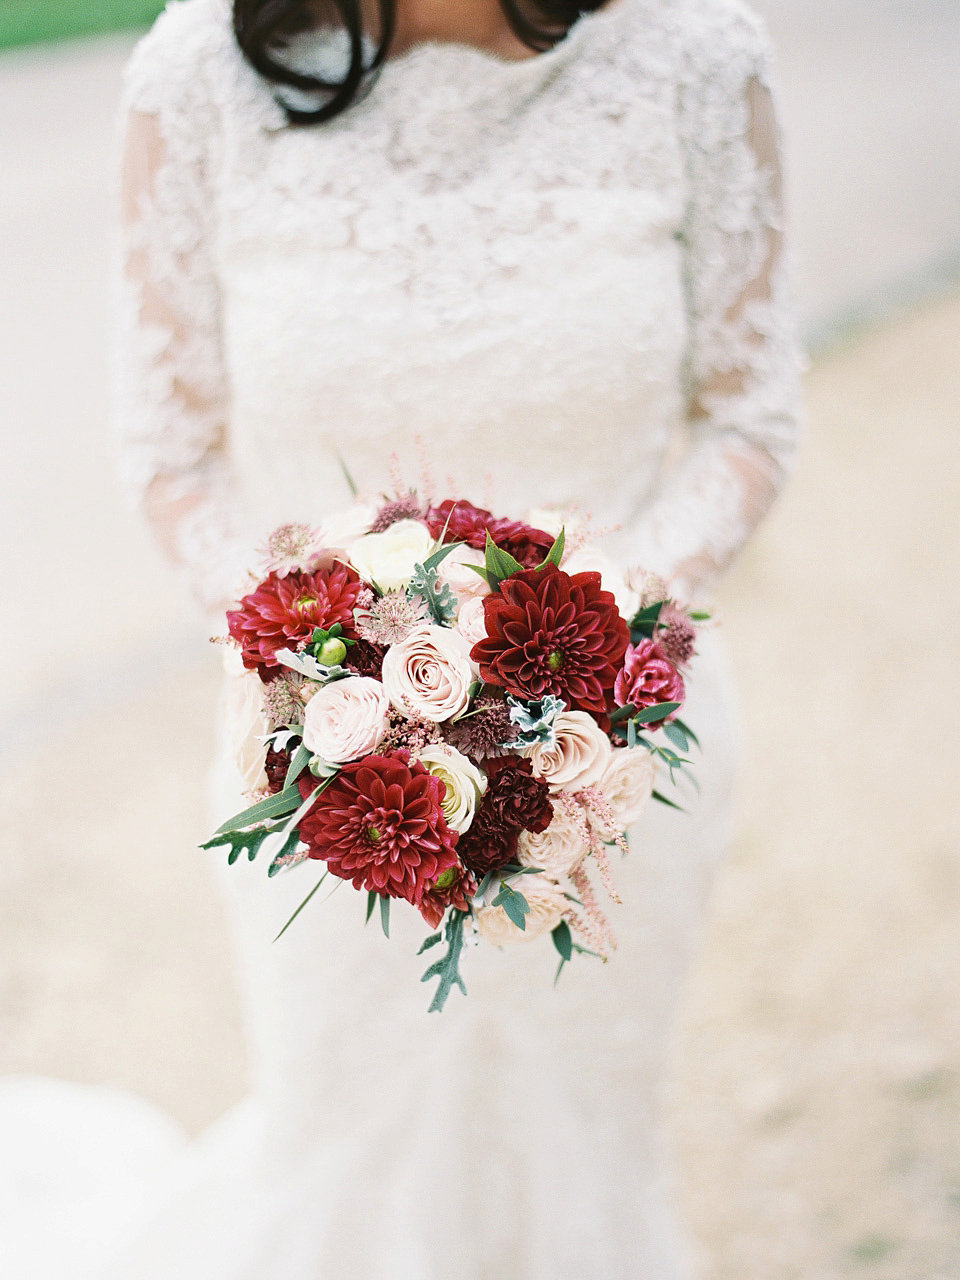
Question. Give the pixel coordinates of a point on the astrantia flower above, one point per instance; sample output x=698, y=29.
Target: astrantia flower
x=648, y=677
x=391, y=618
x=282, y=612
x=676, y=635
x=380, y=824
x=466, y=523
x=550, y=632
x=454, y=888
x=289, y=548
x=281, y=699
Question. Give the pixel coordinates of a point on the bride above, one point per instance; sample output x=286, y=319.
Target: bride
x=541, y=241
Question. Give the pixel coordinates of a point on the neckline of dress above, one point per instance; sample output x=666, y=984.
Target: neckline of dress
x=515, y=66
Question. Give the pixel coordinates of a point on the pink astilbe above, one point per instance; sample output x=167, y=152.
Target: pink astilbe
x=406, y=506
x=408, y=731
x=593, y=924
x=581, y=807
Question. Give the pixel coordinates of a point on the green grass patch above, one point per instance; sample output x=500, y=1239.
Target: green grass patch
x=31, y=21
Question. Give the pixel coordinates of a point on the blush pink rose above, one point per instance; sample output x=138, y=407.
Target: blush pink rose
x=346, y=719
x=578, y=756
x=470, y=621
x=648, y=677
x=429, y=673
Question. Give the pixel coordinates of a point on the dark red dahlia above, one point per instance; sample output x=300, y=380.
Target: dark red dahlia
x=284, y=611
x=453, y=888
x=648, y=677
x=365, y=658
x=553, y=632
x=514, y=801
x=276, y=767
x=380, y=824
x=466, y=523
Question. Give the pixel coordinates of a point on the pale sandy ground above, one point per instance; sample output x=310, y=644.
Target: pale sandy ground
x=818, y=1075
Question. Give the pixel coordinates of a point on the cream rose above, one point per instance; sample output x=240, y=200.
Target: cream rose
x=389, y=558
x=429, y=673
x=578, y=757
x=346, y=719
x=244, y=720
x=547, y=906
x=455, y=570
x=627, y=784
x=470, y=621
x=588, y=559
x=558, y=850
x=464, y=783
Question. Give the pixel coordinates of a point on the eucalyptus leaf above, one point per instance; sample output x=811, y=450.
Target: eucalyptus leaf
x=301, y=906
x=681, y=724
x=676, y=735
x=372, y=897
x=277, y=806
x=622, y=713
x=563, y=939
x=514, y=904
x=658, y=712
x=301, y=758
x=288, y=847
x=658, y=795
x=385, y=916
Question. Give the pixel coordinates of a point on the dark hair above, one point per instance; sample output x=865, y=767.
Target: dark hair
x=262, y=27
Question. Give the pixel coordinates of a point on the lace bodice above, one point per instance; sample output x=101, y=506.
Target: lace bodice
x=563, y=275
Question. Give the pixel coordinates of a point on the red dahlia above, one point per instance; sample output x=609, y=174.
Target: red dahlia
x=553, y=632
x=284, y=611
x=453, y=888
x=466, y=523
x=380, y=825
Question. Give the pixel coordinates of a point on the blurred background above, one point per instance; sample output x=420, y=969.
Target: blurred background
x=817, y=1083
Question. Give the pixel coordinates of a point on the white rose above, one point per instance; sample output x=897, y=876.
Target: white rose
x=587, y=560
x=245, y=721
x=627, y=784
x=470, y=621
x=552, y=519
x=389, y=558
x=344, y=527
x=346, y=719
x=547, y=906
x=429, y=673
x=455, y=570
x=558, y=850
x=464, y=783
x=579, y=756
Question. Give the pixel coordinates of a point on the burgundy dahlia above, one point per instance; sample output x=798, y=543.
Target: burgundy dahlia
x=514, y=801
x=453, y=888
x=648, y=677
x=380, y=824
x=553, y=632
x=466, y=523
x=282, y=612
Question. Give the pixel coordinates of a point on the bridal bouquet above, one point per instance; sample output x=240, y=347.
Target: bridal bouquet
x=460, y=711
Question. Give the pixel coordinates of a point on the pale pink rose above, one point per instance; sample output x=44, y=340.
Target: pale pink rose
x=579, y=756
x=344, y=527
x=455, y=570
x=561, y=848
x=588, y=558
x=627, y=784
x=346, y=719
x=429, y=674
x=547, y=907
x=470, y=621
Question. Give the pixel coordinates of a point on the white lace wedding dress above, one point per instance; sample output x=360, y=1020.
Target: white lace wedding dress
x=564, y=275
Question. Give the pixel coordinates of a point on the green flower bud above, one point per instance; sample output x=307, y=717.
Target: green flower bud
x=332, y=652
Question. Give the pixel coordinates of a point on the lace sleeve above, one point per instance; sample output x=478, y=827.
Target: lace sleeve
x=742, y=369
x=172, y=398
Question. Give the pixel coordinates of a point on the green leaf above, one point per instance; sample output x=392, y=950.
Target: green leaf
x=699, y=615
x=555, y=554
x=447, y=968
x=247, y=841
x=301, y=758
x=514, y=904
x=436, y=558
x=556, y=977
x=351, y=483
x=563, y=939
x=688, y=731
x=649, y=614
x=430, y=942
x=385, y=916
x=631, y=733
x=658, y=795
x=676, y=735
x=437, y=595
x=499, y=564
x=658, y=712
x=485, y=883
x=273, y=807
x=289, y=846
x=622, y=713
x=372, y=897
x=301, y=906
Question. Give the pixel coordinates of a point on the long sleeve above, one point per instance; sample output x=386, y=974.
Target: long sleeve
x=743, y=363
x=171, y=389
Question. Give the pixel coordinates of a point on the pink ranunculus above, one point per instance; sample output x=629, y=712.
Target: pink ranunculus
x=648, y=677
x=346, y=719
